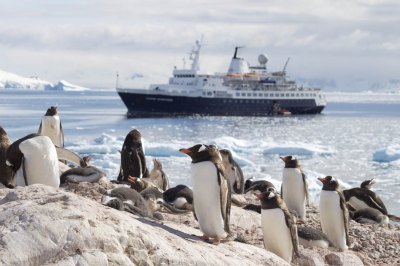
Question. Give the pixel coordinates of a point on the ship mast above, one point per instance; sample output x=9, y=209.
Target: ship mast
x=194, y=56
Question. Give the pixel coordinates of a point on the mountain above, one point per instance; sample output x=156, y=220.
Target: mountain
x=16, y=82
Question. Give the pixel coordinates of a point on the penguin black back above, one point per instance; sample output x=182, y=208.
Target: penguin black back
x=179, y=191
x=14, y=154
x=6, y=174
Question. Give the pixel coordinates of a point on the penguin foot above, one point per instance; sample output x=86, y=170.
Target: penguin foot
x=216, y=240
x=300, y=221
x=205, y=238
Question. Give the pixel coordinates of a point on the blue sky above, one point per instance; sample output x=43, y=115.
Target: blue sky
x=87, y=42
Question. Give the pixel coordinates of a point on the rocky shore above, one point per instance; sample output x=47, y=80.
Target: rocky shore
x=40, y=225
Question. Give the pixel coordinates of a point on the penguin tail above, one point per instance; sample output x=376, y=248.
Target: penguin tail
x=394, y=217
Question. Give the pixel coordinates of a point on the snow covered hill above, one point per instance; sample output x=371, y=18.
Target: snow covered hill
x=12, y=81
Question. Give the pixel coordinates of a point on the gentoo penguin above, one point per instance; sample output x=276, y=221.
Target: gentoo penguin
x=233, y=172
x=310, y=237
x=180, y=197
x=6, y=174
x=369, y=216
x=278, y=226
x=294, y=187
x=158, y=177
x=211, y=191
x=362, y=197
x=89, y=174
x=127, y=199
x=256, y=187
x=33, y=159
x=155, y=201
x=51, y=126
x=133, y=161
x=334, y=213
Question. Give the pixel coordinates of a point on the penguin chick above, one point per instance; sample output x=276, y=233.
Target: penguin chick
x=127, y=199
x=233, y=172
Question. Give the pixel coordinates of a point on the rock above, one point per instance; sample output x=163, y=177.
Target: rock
x=41, y=225
x=310, y=258
x=343, y=258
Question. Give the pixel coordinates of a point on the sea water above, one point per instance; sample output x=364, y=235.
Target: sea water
x=355, y=138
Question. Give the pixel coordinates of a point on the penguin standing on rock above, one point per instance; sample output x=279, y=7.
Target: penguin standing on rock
x=133, y=161
x=333, y=213
x=278, y=226
x=6, y=174
x=294, y=188
x=211, y=192
x=51, y=126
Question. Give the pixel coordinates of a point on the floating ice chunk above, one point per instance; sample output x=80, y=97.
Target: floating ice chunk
x=299, y=149
x=389, y=154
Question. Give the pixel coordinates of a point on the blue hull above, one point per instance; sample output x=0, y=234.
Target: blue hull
x=148, y=105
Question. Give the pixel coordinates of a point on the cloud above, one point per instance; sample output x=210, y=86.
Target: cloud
x=149, y=37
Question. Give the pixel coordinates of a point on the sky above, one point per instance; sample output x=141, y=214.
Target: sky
x=87, y=42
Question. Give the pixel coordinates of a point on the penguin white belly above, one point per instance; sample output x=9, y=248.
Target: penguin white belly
x=206, y=197
x=41, y=162
x=51, y=128
x=179, y=202
x=293, y=191
x=332, y=221
x=277, y=237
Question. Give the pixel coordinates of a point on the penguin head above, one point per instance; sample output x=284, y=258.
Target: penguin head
x=51, y=111
x=367, y=183
x=133, y=141
x=290, y=161
x=329, y=183
x=226, y=155
x=269, y=198
x=198, y=153
x=259, y=186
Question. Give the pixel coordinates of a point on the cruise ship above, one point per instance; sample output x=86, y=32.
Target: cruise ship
x=243, y=90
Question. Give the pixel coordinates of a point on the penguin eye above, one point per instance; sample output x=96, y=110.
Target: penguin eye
x=271, y=189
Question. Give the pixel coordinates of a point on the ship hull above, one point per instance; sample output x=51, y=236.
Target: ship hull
x=153, y=105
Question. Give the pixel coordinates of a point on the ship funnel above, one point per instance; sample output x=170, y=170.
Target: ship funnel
x=238, y=65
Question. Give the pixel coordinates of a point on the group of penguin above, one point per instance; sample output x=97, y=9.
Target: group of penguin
x=216, y=180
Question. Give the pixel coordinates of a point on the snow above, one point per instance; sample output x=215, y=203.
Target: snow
x=12, y=81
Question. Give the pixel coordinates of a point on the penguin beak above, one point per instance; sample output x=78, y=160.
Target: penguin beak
x=185, y=151
x=321, y=179
x=372, y=181
x=259, y=196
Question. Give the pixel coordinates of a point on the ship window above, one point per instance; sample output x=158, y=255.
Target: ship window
x=260, y=94
x=287, y=94
x=237, y=94
x=255, y=94
x=297, y=94
x=243, y=94
x=209, y=93
x=282, y=95
x=248, y=94
x=204, y=93
x=271, y=95
x=292, y=94
x=241, y=101
x=247, y=101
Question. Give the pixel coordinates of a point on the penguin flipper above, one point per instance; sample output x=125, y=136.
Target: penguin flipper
x=225, y=200
x=61, y=135
x=305, y=188
x=291, y=224
x=24, y=171
x=194, y=212
x=345, y=213
x=40, y=128
x=239, y=183
x=370, y=198
x=64, y=154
